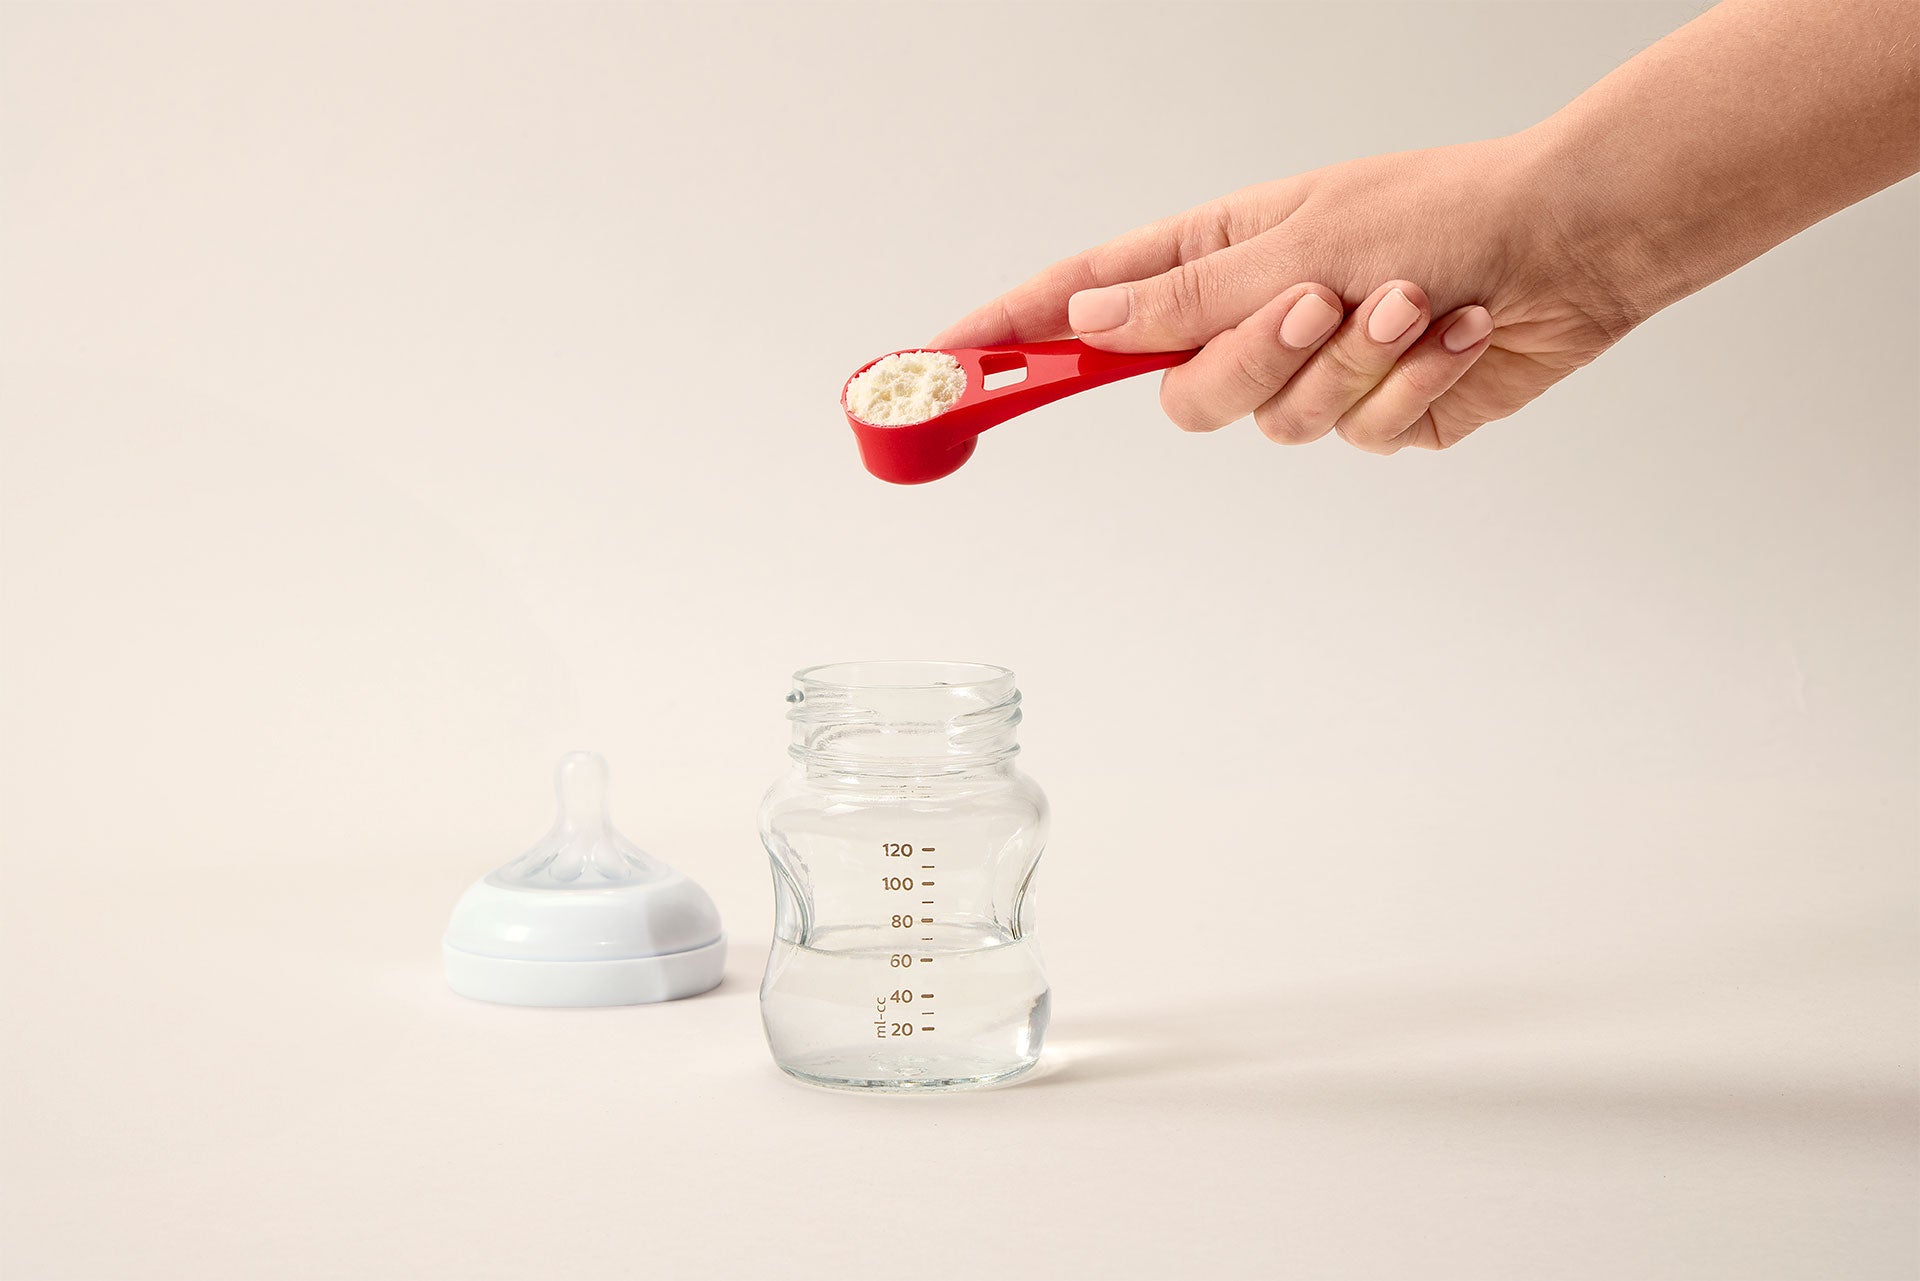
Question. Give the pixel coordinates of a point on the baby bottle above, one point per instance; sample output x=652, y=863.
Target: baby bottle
x=903, y=844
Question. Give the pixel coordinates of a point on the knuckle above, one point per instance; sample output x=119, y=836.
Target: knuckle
x=1258, y=375
x=1423, y=434
x=1426, y=381
x=1348, y=371
x=1271, y=363
x=1369, y=438
x=1183, y=410
x=1206, y=229
x=1283, y=425
x=1187, y=291
x=1316, y=414
x=1448, y=434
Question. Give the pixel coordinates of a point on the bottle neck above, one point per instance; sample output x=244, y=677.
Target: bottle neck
x=904, y=721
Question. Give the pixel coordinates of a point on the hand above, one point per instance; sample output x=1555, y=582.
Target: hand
x=1313, y=300
x=1771, y=115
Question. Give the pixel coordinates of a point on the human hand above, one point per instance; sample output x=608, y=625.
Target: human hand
x=1772, y=115
x=1314, y=300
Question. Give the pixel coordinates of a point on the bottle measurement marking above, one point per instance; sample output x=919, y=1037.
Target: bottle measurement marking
x=884, y=1027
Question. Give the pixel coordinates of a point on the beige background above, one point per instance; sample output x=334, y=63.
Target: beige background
x=1493, y=864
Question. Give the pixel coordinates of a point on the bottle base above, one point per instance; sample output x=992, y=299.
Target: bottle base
x=912, y=1085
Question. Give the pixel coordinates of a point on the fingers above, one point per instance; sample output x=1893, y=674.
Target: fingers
x=1465, y=409
x=1036, y=311
x=1394, y=413
x=1385, y=379
x=1188, y=304
x=1387, y=323
x=1241, y=369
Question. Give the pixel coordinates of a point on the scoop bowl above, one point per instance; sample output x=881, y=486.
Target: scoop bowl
x=914, y=453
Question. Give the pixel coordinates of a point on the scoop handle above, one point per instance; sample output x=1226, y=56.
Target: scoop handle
x=1054, y=370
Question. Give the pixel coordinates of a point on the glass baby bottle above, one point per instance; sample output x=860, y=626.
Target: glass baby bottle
x=903, y=844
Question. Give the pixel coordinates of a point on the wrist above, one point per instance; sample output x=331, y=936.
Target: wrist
x=1608, y=237
x=1741, y=129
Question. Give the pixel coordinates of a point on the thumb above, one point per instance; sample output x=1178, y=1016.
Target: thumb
x=1184, y=307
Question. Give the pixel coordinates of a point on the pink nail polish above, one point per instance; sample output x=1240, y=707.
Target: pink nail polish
x=1468, y=328
x=1092, y=310
x=1308, y=321
x=1392, y=316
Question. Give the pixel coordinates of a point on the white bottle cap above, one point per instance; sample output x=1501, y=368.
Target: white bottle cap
x=585, y=917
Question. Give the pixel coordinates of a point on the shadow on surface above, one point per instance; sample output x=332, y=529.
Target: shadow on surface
x=1593, y=1050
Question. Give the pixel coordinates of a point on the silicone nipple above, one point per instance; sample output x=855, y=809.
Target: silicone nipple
x=582, y=849
x=585, y=917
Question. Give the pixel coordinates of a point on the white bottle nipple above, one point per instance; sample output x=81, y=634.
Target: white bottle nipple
x=585, y=917
x=582, y=848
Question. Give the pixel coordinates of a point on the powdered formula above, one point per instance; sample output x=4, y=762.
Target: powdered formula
x=910, y=387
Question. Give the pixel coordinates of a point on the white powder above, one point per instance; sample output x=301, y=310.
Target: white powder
x=908, y=388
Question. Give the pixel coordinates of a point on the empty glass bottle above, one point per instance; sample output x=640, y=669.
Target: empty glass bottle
x=903, y=844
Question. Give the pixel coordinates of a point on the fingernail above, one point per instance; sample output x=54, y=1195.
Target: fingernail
x=1392, y=316
x=1468, y=328
x=1308, y=321
x=1092, y=310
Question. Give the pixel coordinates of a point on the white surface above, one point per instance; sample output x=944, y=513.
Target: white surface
x=1498, y=864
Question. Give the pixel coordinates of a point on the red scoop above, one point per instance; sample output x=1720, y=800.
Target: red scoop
x=914, y=453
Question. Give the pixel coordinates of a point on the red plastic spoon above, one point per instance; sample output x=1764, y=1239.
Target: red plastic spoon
x=914, y=453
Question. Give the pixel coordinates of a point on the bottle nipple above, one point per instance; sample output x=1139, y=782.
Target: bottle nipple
x=582, y=849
